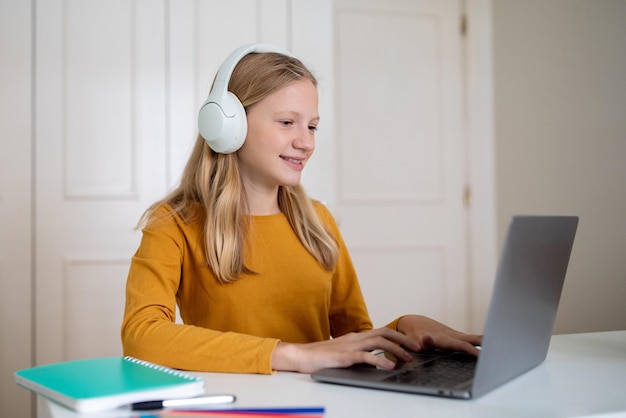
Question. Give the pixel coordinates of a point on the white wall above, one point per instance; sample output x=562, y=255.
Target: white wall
x=15, y=203
x=560, y=116
x=560, y=146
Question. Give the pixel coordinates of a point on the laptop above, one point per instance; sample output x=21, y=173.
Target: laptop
x=519, y=325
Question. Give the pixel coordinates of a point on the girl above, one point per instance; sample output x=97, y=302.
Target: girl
x=260, y=273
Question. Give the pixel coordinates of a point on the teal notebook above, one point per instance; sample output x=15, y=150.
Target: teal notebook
x=103, y=383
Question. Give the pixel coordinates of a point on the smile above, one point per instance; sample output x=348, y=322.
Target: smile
x=292, y=160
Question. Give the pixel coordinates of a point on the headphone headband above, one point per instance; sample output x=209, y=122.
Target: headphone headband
x=220, y=85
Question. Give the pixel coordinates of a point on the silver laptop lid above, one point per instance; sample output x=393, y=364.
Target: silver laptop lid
x=525, y=298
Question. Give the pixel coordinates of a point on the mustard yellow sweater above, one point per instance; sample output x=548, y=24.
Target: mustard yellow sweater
x=234, y=327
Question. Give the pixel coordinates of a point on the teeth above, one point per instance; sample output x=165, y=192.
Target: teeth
x=292, y=160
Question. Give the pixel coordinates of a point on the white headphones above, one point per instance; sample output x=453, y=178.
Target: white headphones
x=222, y=118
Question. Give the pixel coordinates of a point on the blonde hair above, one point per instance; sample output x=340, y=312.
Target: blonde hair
x=214, y=181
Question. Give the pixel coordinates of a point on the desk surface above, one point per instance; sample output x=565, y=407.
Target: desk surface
x=583, y=375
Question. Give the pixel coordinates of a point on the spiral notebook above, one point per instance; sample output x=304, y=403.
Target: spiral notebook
x=103, y=383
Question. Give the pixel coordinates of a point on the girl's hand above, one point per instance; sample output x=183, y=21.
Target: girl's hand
x=344, y=351
x=430, y=334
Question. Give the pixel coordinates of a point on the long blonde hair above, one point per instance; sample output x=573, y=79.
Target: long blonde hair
x=214, y=181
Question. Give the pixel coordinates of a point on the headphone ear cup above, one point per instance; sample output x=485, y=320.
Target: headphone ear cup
x=223, y=125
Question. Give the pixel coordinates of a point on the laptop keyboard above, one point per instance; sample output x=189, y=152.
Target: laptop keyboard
x=447, y=370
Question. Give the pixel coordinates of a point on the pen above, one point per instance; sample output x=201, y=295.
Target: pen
x=183, y=403
x=311, y=412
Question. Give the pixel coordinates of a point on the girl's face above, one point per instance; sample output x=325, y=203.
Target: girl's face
x=281, y=137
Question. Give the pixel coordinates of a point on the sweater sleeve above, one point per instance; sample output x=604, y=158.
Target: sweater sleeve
x=149, y=328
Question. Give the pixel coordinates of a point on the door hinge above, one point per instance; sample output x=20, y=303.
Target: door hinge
x=467, y=196
x=463, y=25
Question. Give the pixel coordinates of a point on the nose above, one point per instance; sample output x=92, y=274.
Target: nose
x=305, y=139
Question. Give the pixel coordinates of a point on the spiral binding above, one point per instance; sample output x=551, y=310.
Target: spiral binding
x=162, y=368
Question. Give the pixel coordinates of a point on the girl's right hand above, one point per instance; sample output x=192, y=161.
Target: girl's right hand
x=344, y=351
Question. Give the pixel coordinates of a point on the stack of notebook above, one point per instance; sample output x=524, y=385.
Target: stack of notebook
x=100, y=384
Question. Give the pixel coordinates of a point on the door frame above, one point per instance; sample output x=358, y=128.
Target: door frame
x=482, y=220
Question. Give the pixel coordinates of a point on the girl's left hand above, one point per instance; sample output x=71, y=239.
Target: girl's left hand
x=430, y=334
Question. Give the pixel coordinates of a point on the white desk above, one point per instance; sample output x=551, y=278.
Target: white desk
x=584, y=375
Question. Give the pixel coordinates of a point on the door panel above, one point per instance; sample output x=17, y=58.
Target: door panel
x=401, y=154
x=99, y=163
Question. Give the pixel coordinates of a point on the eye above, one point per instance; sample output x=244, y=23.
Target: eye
x=286, y=122
x=312, y=128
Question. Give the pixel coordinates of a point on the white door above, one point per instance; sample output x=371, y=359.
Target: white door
x=118, y=87
x=401, y=158
x=100, y=157
x=118, y=84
